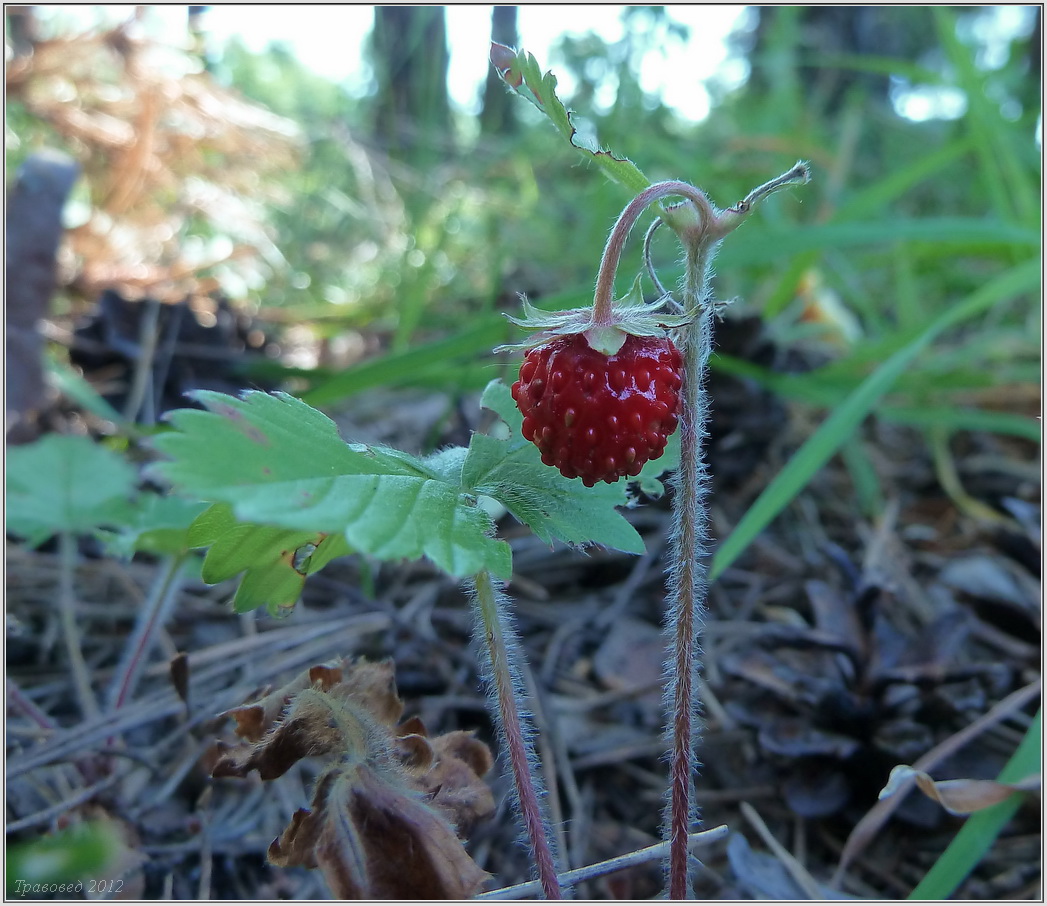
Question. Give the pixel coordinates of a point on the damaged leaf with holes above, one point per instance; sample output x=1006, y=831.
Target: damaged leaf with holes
x=387, y=810
x=274, y=561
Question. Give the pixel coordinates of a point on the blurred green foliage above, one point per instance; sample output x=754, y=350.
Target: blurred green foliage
x=904, y=218
x=62, y=863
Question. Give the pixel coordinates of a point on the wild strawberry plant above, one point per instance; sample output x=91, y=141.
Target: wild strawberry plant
x=599, y=394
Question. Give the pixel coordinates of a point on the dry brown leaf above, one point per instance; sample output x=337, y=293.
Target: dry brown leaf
x=455, y=780
x=408, y=851
x=253, y=721
x=384, y=814
x=162, y=145
x=958, y=797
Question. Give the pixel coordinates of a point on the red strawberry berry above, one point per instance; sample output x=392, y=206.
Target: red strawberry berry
x=598, y=417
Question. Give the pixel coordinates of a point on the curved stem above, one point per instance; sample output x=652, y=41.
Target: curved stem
x=503, y=679
x=689, y=575
x=798, y=175
x=612, y=252
x=689, y=572
x=649, y=263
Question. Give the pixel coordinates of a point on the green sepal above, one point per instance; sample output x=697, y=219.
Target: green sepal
x=631, y=315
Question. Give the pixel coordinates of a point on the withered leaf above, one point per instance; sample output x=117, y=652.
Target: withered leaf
x=317, y=723
x=373, y=687
x=384, y=814
x=958, y=797
x=254, y=720
x=454, y=781
x=373, y=838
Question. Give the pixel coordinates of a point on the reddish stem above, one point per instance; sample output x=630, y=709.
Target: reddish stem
x=612, y=253
x=18, y=699
x=688, y=578
x=504, y=676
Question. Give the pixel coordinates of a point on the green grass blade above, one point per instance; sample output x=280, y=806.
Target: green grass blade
x=964, y=419
x=1012, y=187
x=839, y=426
x=980, y=831
x=944, y=236
x=400, y=367
x=866, y=482
x=876, y=198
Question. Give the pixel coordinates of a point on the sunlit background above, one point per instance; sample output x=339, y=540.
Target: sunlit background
x=706, y=46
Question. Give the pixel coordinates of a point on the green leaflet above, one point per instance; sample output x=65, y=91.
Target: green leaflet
x=512, y=472
x=521, y=72
x=290, y=495
x=66, y=484
x=158, y=524
x=275, y=561
x=278, y=462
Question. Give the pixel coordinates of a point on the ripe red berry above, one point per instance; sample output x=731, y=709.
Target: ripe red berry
x=598, y=417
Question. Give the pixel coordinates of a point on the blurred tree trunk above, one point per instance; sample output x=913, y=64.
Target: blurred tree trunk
x=410, y=58
x=498, y=116
x=34, y=231
x=816, y=32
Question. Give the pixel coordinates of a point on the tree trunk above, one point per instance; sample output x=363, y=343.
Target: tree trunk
x=499, y=112
x=34, y=231
x=831, y=31
x=409, y=53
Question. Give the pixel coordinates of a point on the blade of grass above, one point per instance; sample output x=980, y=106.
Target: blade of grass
x=874, y=820
x=980, y=831
x=839, y=426
x=943, y=234
x=1012, y=188
x=394, y=368
x=876, y=198
x=829, y=390
x=965, y=420
x=863, y=476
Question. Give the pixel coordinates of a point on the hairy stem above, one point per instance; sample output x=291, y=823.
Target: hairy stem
x=689, y=572
x=688, y=577
x=503, y=677
x=612, y=252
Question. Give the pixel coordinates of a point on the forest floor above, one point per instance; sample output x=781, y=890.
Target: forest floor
x=835, y=648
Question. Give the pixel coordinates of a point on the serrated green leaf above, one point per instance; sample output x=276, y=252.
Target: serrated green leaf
x=277, y=461
x=267, y=556
x=521, y=72
x=275, y=561
x=71, y=484
x=499, y=399
x=512, y=472
x=210, y=525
